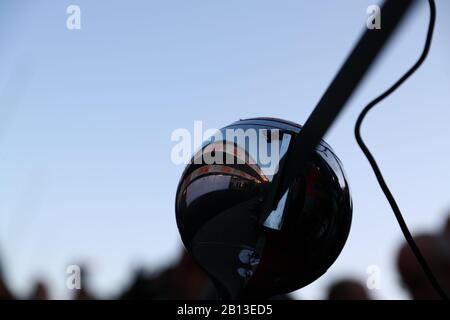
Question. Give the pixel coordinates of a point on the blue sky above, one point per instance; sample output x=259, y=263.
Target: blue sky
x=86, y=118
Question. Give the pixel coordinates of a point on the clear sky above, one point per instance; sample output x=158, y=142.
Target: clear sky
x=86, y=118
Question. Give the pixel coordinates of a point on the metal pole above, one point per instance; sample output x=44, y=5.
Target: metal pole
x=333, y=101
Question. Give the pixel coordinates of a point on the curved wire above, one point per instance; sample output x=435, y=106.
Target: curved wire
x=409, y=239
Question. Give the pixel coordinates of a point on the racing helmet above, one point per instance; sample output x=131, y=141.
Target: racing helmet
x=221, y=216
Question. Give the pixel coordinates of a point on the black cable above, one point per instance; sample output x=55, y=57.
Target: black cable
x=376, y=170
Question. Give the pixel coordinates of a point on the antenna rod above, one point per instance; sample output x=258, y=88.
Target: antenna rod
x=345, y=83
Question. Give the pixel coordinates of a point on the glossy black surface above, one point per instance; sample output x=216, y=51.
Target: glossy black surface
x=219, y=207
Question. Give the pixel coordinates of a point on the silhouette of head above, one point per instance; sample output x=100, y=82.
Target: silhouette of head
x=436, y=249
x=347, y=289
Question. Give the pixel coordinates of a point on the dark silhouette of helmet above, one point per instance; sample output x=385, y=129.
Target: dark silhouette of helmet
x=247, y=252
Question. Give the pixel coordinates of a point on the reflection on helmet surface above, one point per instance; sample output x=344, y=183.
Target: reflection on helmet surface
x=219, y=206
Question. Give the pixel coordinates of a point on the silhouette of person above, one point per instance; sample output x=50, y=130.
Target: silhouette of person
x=5, y=294
x=183, y=280
x=347, y=289
x=436, y=250
x=83, y=293
x=39, y=291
